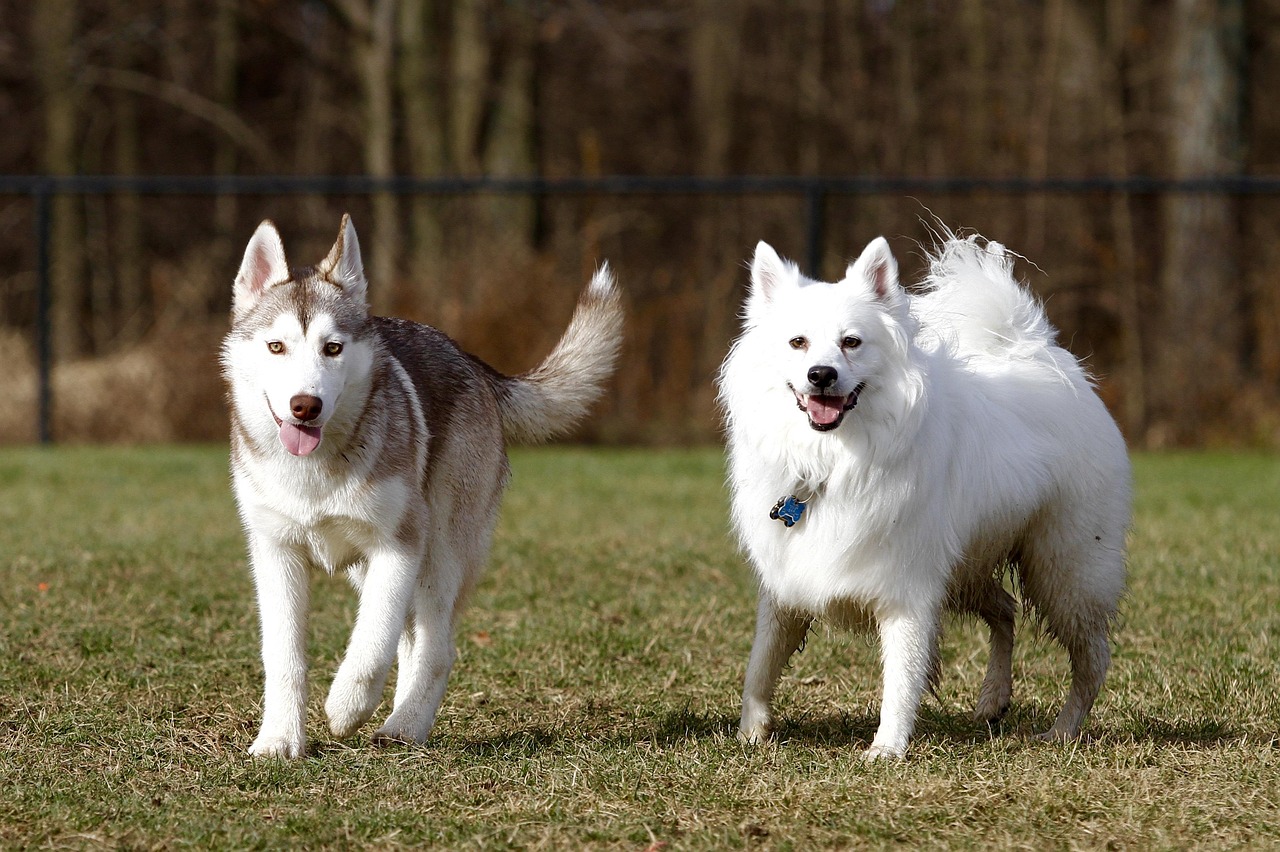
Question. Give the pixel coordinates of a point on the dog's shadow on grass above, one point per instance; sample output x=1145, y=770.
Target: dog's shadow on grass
x=936, y=725
x=940, y=727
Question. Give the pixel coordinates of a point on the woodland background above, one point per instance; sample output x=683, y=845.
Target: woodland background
x=1173, y=298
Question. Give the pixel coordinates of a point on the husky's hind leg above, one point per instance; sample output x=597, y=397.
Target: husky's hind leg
x=384, y=603
x=779, y=633
x=427, y=659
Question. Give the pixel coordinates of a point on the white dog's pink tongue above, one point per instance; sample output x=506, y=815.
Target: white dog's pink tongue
x=824, y=410
x=299, y=440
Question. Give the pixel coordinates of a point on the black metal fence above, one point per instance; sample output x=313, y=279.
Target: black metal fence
x=814, y=191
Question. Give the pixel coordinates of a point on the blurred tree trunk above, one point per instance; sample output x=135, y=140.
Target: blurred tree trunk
x=313, y=122
x=225, y=59
x=419, y=65
x=1041, y=124
x=1129, y=306
x=126, y=242
x=469, y=69
x=714, y=57
x=1201, y=331
x=374, y=26
x=977, y=106
x=510, y=144
x=129, y=320
x=53, y=31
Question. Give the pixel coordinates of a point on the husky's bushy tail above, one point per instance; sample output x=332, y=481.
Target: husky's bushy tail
x=973, y=300
x=549, y=399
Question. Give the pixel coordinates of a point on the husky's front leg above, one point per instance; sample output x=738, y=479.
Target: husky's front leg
x=281, y=582
x=384, y=603
x=779, y=633
x=906, y=645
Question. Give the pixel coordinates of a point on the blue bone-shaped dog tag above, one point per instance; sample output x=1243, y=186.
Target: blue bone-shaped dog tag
x=789, y=510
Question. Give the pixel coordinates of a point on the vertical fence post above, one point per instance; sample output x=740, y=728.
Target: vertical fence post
x=44, y=342
x=815, y=214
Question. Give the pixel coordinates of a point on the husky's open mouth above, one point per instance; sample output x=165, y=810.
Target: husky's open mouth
x=826, y=412
x=298, y=438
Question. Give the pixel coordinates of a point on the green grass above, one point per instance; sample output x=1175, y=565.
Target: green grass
x=595, y=696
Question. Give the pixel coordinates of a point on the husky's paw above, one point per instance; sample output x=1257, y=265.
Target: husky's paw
x=350, y=703
x=1053, y=735
x=755, y=734
x=402, y=730
x=883, y=752
x=285, y=748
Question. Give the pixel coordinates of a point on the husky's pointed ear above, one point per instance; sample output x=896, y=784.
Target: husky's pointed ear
x=343, y=266
x=768, y=273
x=878, y=268
x=264, y=264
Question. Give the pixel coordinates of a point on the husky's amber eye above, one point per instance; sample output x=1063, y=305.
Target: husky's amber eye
x=798, y=343
x=275, y=347
x=851, y=342
x=333, y=348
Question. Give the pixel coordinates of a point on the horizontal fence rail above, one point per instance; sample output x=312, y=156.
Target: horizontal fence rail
x=813, y=190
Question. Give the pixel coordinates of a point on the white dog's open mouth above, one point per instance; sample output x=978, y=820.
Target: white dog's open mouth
x=826, y=412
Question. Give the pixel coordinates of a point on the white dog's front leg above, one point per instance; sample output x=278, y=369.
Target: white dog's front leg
x=281, y=582
x=384, y=603
x=779, y=633
x=906, y=642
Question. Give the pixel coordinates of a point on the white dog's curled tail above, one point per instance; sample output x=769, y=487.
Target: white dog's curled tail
x=551, y=398
x=974, y=299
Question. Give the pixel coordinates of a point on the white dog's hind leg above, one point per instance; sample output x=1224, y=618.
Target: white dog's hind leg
x=907, y=640
x=384, y=601
x=779, y=633
x=1090, y=652
x=997, y=609
x=281, y=583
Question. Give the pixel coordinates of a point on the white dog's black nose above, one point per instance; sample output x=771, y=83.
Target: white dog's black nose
x=822, y=376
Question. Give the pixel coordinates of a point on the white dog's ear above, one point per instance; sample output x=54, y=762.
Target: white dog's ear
x=877, y=266
x=343, y=266
x=264, y=264
x=768, y=272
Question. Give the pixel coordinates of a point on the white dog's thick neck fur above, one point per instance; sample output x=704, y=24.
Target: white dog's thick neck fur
x=975, y=442
x=376, y=446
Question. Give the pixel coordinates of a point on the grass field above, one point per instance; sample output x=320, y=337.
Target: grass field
x=595, y=695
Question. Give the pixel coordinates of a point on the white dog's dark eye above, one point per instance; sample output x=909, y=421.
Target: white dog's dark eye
x=333, y=348
x=798, y=342
x=851, y=342
x=275, y=347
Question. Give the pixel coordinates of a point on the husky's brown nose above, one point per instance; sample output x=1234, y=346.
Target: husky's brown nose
x=305, y=407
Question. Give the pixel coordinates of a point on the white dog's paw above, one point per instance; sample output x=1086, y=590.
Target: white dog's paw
x=992, y=705
x=350, y=703
x=283, y=747
x=881, y=751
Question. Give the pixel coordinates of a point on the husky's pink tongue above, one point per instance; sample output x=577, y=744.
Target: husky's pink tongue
x=299, y=440
x=824, y=410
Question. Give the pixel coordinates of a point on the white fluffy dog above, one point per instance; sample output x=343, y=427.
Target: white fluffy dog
x=891, y=455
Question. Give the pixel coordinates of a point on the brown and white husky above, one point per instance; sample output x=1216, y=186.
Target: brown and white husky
x=376, y=447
